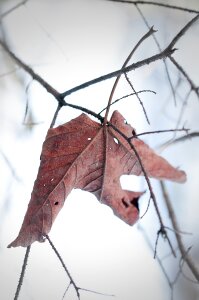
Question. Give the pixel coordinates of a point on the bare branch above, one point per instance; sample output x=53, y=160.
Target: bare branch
x=165, y=53
x=23, y=270
x=126, y=96
x=7, y=161
x=186, y=137
x=55, y=115
x=180, y=68
x=64, y=266
x=159, y=131
x=152, y=195
x=149, y=33
x=157, y=4
x=175, y=225
x=138, y=97
x=3, y=15
x=159, y=48
x=183, y=30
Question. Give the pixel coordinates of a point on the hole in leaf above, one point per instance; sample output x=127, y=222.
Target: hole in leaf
x=135, y=202
x=56, y=203
x=125, y=203
x=115, y=140
x=89, y=138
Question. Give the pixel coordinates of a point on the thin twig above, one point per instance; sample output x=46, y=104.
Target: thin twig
x=143, y=38
x=180, y=232
x=152, y=195
x=9, y=164
x=175, y=225
x=157, y=257
x=186, y=137
x=159, y=48
x=165, y=53
x=159, y=131
x=59, y=97
x=64, y=266
x=157, y=4
x=23, y=270
x=97, y=293
x=183, y=30
x=126, y=96
x=138, y=97
x=161, y=55
x=30, y=71
x=3, y=15
x=180, y=68
x=55, y=115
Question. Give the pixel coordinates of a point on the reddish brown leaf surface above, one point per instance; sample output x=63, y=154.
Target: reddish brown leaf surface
x=86, y=155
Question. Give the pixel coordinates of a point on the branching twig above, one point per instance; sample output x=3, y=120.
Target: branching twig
x=159, y=48
x=64, y=266
x=72, y=282
x=138, y=97
x=152, y=195
x=180, y=68
x=126, y=96
x=149, y=33
x=157, y=4
x=22, y=273
x=175, y=225
x=165, y=53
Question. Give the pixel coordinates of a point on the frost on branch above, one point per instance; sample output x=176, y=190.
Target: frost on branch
x=87, y=155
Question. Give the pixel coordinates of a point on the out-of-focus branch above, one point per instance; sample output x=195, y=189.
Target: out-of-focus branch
x=160, y=49
x=186, y=137
x=185, y=256
x=180, y=68
x=3, y=15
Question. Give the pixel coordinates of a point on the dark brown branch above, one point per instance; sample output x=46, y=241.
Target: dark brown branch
x=23, y=270
x=175, y=225
x=157, y=4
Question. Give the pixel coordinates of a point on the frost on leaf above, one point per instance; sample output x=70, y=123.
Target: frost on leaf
x=83, y=154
